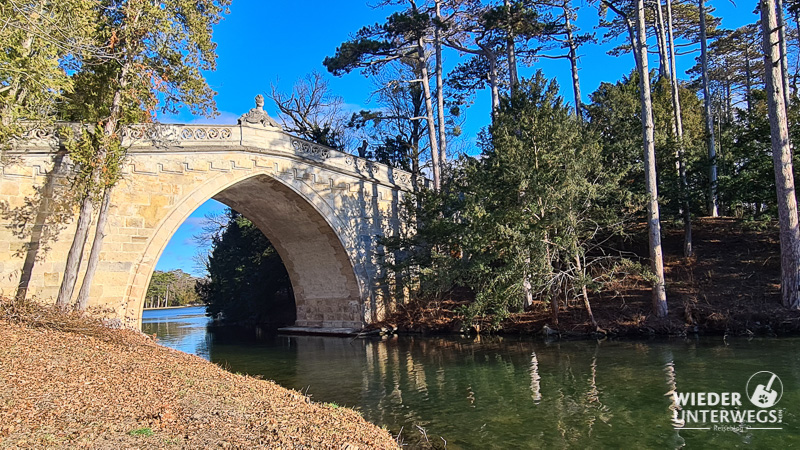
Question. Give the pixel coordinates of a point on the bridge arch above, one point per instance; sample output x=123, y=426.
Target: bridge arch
x=323, y=210
x=306, y=235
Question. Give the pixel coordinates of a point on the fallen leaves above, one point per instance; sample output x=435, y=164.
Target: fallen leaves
x=74, y=388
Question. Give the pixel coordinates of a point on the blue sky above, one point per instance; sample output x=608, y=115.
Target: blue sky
x=277, y=42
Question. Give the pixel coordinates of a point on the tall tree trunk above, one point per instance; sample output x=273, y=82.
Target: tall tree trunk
x=782, y=159
x=94, y=255
x=75, y=254
x=440, y=89
x=493, y=78
x=426, y=88
x=85, y=216
x=796, y=73
x=111, y=132
x=663, y=61
x=493, y=82
x=633, y=39
x=527, y=292
x=654, y=221
x=584, y=291
x=553, y=285
x=511, y=51
x=688, y=249
x=784, y=51
x=748, y=76
x=712, y=150
x=573, y=61
x=728, y=103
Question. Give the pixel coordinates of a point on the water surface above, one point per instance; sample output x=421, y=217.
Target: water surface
x=502, y=393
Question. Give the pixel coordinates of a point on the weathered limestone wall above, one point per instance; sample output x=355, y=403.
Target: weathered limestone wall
x=321, y=208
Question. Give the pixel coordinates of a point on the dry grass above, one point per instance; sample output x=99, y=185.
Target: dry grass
x=31, y=314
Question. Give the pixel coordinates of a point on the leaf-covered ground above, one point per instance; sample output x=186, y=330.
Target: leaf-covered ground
x=72, y=383
x=730, y=286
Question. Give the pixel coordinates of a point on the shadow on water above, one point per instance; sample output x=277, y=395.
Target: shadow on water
x=517, y=393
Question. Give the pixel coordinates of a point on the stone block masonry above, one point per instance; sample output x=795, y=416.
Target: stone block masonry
x=322, y=209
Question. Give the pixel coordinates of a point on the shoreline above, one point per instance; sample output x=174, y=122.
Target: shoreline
x=730, y=286
x=172, y=307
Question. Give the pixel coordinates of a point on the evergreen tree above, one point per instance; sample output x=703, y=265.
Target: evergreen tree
x=524, y=221
x=403, y=36
x=247, y=282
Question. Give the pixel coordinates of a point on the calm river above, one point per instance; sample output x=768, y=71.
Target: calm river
x=510, y=393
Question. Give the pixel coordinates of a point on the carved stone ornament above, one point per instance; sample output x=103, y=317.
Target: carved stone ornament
x=257, y=115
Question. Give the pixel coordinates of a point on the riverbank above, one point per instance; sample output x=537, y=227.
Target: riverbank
x=171, y=307
x=730, y=286
x=70, y=382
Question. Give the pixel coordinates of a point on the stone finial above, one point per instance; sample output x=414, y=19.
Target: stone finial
x=257, y=115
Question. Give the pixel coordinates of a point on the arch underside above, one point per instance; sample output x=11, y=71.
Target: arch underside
x=324, y=283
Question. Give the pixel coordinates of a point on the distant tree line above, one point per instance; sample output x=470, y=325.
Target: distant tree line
x=172, y=288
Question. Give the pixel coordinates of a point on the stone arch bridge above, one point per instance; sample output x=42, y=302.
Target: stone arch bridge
x=322, y=209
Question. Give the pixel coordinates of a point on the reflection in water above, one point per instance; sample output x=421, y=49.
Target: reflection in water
x=672, y=385
x=535, y=388
x=473, y=393
x=179, y=328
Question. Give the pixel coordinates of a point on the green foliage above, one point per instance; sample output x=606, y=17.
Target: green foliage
x=394, y=152
x=247, y=282
x=614, y=115
x=40, y=41
x=536, y=200
x=378, y=44
x=153, y=55
x=519, y=17
x=158, y=51
x=83, y=151
x=518, y=219
x=747, y=174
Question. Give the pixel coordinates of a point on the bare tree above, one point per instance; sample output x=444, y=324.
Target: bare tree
x=312, y=111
